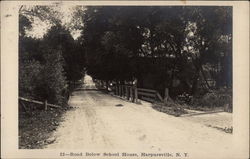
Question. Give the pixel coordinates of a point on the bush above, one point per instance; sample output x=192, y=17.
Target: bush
x=184, y=98
x=216, y=98
x=54, y=80
x=29, y=78
x=43, y=81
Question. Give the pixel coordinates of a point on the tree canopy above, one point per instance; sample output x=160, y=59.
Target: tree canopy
x=48, y=64
x=190, y=44
x=183, y=48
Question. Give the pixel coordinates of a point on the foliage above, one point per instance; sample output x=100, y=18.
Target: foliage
x=184, y=98
x=49, y=64
x=29, y=78
x=54, y=80
x=212, y=43
x=59, y=38
x=43, y=81
x=186, y=49
x=24, y=24
x=217, y=98
x=174, y=43
x=45, y=13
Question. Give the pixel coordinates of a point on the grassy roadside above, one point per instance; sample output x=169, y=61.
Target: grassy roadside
x=36, y=128
x=221, y=121
x=170, y=108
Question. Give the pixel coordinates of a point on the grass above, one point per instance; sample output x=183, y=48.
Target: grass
x=36, y=128
x=170, y=108
x=202, y=108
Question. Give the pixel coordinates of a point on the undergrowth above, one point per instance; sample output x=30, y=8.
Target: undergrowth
x=170, y=108
x=36, y=127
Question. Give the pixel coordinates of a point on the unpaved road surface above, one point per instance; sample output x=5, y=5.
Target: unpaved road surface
x=97, y=123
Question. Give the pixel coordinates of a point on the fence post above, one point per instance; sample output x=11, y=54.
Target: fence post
x=166, y=95
x=124, y=91
x=45, y=105
x=136, y=94
x=121, y=90
x=116, y=89
x=127, y=92
x=227, y=108
x=131, y=94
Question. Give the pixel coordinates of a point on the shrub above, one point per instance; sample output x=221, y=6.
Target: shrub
x=216, y=98
x=43, y=81
x=29, y=78
x=184, y=98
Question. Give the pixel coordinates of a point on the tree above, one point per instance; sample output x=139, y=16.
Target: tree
x=106, y=52
x=210, y=26
x=47, y=64
x=171, y=43
x=48, y=14
x=59, y=38
x=132, y=33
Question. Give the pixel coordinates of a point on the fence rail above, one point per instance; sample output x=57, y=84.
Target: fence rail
x=147, y=90
x=149, y=95
x=46, y=105
x=133, y=93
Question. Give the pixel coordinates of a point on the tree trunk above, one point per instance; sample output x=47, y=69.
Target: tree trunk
x=204, y=77
x=196, y=77
x=195, y=83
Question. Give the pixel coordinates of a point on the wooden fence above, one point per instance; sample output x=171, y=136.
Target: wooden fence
x=126, y=91
x=132, y=93
x=46, y=105
x=149, y=95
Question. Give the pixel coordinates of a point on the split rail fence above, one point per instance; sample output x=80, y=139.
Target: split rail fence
x=45, y=103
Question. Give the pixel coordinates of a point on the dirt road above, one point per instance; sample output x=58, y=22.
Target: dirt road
x=97, y=123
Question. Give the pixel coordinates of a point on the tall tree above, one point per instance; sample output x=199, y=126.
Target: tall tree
x=211, y=40
x=47, y=64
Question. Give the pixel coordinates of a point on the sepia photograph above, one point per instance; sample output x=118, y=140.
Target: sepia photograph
x=126, y=81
